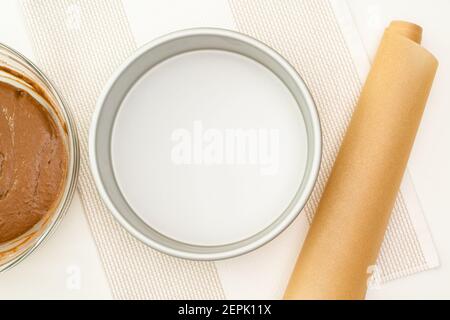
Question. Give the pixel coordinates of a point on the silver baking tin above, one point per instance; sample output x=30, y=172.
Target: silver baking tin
x=136, y=66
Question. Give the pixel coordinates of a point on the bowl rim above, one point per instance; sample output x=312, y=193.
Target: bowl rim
x=313, y=172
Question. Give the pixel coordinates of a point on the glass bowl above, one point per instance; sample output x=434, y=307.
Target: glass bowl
x=17, y=70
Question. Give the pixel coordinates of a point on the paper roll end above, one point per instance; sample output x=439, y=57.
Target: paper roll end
x=409, y=30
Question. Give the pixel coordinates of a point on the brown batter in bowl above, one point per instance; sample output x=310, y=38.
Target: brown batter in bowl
x=39, y=157
x=33, y=162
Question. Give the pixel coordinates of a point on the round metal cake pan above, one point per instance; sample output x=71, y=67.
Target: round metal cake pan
x=111, y=102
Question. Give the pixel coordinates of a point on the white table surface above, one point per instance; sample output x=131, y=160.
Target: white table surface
x=67, y=266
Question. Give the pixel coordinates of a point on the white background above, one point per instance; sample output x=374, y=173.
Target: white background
x=70, y=255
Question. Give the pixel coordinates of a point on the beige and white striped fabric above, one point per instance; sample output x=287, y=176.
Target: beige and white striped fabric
x=79, y=43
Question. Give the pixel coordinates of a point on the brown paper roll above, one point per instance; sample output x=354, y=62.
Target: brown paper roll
x=347, y=232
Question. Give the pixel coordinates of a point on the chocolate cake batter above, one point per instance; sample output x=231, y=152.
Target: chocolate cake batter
x=33, y=162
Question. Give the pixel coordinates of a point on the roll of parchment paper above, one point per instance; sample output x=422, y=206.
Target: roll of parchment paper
x=348, y=229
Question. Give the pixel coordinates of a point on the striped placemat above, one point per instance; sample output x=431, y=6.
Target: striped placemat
x=79, y=43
